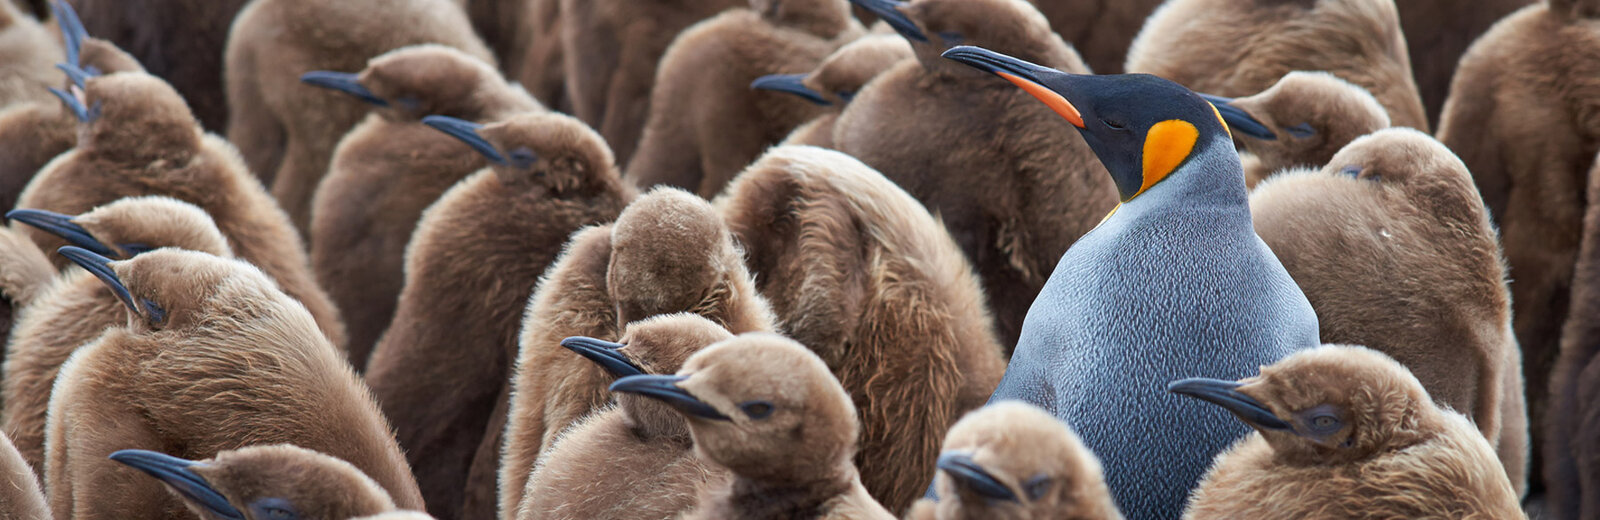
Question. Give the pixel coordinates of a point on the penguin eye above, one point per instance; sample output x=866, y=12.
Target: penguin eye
x=1301, y=131
x=154, y=314
x=757, y=409
x=1037, y=486
x=1323, y=421
x=846, y=95
x=135, y=249
x=1113, y=124
x=1353, y=171
x=274, y=509
x=952, y=38
x=523, y=158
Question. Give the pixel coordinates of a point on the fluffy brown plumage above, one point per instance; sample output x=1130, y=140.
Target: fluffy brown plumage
x=1241, y=47
x=840, y=76
x=287, y=131
x=25, y=273
x=543, y=65
x=1038, y=461
x=1522, y=116
x=183, y=386
x=1393, y=247
x=1013, y=183
x=29, y=53
x=20, y=496
x=767, y=410
x=706, y=122
x=269, y=482
x=636, y=459
x=610, y=49
x=1572, y=475
x=1100, y=31
x=440, y=369
x=1362, y=440
x=669, y=252
x=389, y=168
x=1311, y=115
x=145, y=142
x=1438, y=32
x=77, y=308
x=859, y=272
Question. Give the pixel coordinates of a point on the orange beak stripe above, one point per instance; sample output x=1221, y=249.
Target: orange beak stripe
x=1049, y=97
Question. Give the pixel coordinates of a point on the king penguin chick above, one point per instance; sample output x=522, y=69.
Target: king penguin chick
x=768, y=411
x=137, y=137
x=264, y=482
x=862, y=274
x=183, y=384
x=1517, y=116
x=77, y=308
x=1012, y=460
x=1303, y=120
x=29, y=56
x=611, y=50
x=543, y=63
x=1392, y=246
x=1174, y=279
x=391, y=167
x=1014, y=185
x=20, y=496
x=668, y=252
x=836, y=81
x=1241, y=47
x=25, y=273
x=1574, y=407
x=1438, y=32
x=1100, y=31
x=1345, y=432
x=636, y=459
x=476, y=256
x=287, y=131
x=706, y=122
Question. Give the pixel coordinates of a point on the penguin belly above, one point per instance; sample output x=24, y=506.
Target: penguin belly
x=1137, y=303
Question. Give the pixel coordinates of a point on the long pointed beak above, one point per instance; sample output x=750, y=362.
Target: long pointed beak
x=1226, y=394
x=1028, y=76
x=467, y=132
x=889, y=12
x=343, y=82
x=84, y=114
x=175, y=473
x=604, y=353
x=969, y=474
x=72, y=31
x=100, y=267
x=61, y=226
x=78, y=76
x=1239, y=120
x=664, y=388
x=789, y=84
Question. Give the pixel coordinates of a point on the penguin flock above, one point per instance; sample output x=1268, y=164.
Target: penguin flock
x=799, y=259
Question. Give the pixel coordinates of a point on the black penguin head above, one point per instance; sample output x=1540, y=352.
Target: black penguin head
x=1141, y=126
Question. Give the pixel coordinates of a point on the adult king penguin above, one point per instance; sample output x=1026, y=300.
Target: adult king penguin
x=1174, y=278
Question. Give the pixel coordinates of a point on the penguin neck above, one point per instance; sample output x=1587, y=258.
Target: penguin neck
x=1211, y=180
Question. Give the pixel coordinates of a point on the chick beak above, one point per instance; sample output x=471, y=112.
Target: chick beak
x=1226, y=394
x=970, y=475
x=605, y=354
x=345, y=82
x=72, y=31
x=61, y=226
x=1239, y=120
x=789, y=84
x=100, y=267
x=889, y=12
x=664, y=388
x=175, y=473
x=467, y=132
x=1027, y=76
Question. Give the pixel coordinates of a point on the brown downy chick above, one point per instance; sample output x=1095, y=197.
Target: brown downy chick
x=77, y=308
x=183, y=385
x=1438, y=32
x=1345, y=432
x=137, y=137
x=1521, y=115
x=264, y=483
x=1303, y=120
x=1100, y=31
x=20, y=496
x=611, y=49
x=1012, y=460
x=862, y=274
x=669, y=252
x=542, y=70
x=707, y=122
x=634, y=460
x=1571, y=472
x=1241, y=47
x=767, y=410
x=1014, y=184
x=287, y=131
x=836, y=81
x=29, y=55
x=389, y=168
x=25, y=273
x=440, y=369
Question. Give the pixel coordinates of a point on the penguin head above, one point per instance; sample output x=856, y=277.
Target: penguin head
x=761, y=405
x=1013, y=460
x=127, y=227
x=1013, y=27
x=1142, y=127
x=542, y=151
x=1304, y=118
x=670, y=252
x=277, y=482
x=173, y=289
x=1330, y=404
x=409, y=83
x=132, y=116
x=655, y=345
x=1406, y=164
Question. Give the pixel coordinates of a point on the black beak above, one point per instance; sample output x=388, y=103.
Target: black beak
x=1027, y=76
x=175, y=473
x=84, y=114
x=1239, y=120
x=603, y=353
x=1226, y=394
x=665, y=389
x=78, y=76
x=970, y=475
x=791, y=84
x=100, y=267
x=343, y=82
x=467, y=132
x=61, y=226
x=889, y=12
x=72, y=31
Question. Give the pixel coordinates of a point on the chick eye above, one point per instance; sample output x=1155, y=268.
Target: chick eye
x=846, y=95
x=1113, y=124
x=523, y=157
x=156, y=315
x=1301, y=131
x=1037, y=486
x=952, y=37
x=274, y=509
x=756, y=409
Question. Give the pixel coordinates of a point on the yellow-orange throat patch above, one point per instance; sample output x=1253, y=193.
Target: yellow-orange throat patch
x=1049, y=97
x=1166, y=145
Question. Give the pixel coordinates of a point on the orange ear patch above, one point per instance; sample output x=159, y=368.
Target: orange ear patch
x=1049, y=97
x=1166, y=145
